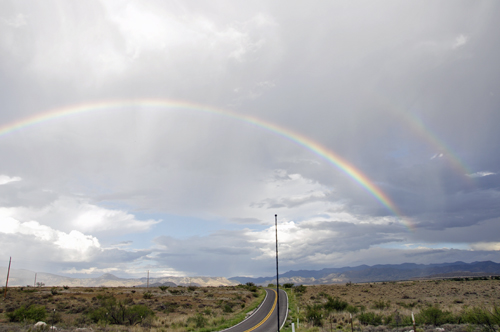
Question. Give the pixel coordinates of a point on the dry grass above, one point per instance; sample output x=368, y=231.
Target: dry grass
x=387, y=298
x=173, y=308
x=449, y=295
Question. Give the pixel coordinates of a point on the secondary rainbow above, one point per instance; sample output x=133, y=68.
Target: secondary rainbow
x=424, y=132
x=299, y=139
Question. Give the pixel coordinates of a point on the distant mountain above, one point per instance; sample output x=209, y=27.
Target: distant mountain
x=25, y=277
x=388, y=272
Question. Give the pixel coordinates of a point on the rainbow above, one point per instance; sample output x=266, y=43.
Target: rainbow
x=299, y=139
x=425, y=133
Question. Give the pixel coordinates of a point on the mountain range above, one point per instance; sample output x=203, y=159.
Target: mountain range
x=20, y=277
x=357, y=274
x=388, y=272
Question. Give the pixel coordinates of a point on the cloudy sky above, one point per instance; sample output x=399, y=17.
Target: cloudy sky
x=165, y=135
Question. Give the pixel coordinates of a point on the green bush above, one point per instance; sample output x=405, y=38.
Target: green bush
x=288, y=285
x=147, y=295
x=228, y=308
x=314, y=314
x=352, y=309
x=489, y=319
x=381, y=304
x=114, y=312
x=335, y=304
x=434, y=316
x=163, y=288
x=300, y=289
x=370, y=318
x=33, y=313
x=198, y=320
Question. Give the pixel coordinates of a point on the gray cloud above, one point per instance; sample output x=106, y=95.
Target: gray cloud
x=411, y=106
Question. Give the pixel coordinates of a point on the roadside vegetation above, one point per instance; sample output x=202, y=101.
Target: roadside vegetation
x=192, y=308
x=454, y=305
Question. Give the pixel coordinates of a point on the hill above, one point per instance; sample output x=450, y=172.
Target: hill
x=388, y=272
x=20, y=277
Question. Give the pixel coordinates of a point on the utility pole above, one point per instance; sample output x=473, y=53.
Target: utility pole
x=34, y=284
x=148, y=280
x=277, y=273
x=7, y=282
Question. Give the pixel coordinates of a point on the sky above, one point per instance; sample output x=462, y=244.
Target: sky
x=165, y=136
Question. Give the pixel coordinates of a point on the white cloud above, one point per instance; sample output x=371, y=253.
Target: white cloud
x=4, y=179
x=460, y=41
x=75, y=243
x=71, y=213
x=480, y=174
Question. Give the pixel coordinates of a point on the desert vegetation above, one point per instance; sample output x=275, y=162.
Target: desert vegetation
x=161, y=308
x=459, y=304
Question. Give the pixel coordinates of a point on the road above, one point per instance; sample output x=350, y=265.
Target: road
x=264, y=318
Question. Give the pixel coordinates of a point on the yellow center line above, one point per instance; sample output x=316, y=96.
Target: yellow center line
x=268, y=315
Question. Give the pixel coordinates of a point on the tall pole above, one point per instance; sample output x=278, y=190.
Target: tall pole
x=7, y=282
x=148, y=280
x=277, y=273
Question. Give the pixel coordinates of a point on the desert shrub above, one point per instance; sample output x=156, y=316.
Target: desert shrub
x=54, y=291
x=489, y=320
x=381, y=304
x=434, y=316
x=300, y=289
x=370, y=318
x=137, y=313
x=147, y=295
x=29, y=290
x=33, y=312
x=288, y=285
x=227, y=308
x=66, y=287
x=176, y=291
x=170, y=306
x=352, y=309
x=199, y=321
x=314, y=315
x=250, y=284
x=115, y=312
x=335, y=304
x=192, y=288
x=253, y=288
x=163, y=288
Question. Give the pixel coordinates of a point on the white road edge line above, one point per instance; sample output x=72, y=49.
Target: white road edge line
x=286, y=316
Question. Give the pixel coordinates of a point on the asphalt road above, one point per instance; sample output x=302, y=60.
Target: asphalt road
x=264, y=318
